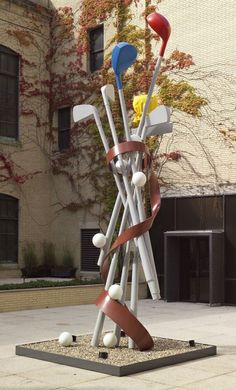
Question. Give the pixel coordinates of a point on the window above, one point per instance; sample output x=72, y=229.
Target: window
x=8, y=229
x=64, y=123
x=96, y=48
x=9, y=68
x=89, y=253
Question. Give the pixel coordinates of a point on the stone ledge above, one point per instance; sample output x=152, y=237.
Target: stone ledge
x=40, y=298
x=7, y=272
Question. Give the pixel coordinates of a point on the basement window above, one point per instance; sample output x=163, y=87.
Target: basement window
x=8, y=229
x=89, y=253
x=9, y=95
x=64, y=126
x=96, y=43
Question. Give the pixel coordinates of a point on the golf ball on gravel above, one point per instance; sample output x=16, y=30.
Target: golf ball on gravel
x=115, y=292
x=99, y=240
x=65, y=339
x=139, y=179
x=109, y=340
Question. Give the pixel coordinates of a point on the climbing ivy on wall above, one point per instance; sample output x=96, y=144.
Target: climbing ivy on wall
x=66, y=82
x=177, y=94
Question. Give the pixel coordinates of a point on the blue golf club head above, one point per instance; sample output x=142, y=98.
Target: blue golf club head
x=123, y=56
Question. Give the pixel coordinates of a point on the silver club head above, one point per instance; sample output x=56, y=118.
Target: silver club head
x=160, y=114
x=108, y=92
x=158, y=121
x=159, y=129
x=83, y=111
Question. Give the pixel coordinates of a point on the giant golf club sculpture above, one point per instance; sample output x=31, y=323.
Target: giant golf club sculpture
x=129, y=178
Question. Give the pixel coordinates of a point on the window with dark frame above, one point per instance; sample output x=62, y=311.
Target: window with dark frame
x=89, y=253
x=96, y=43
x=8, y=229
x=9, y=94
x=64, y=126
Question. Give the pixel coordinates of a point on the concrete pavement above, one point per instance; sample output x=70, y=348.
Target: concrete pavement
x=210, y=325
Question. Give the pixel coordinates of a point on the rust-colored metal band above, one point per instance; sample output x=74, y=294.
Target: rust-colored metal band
x=121, y=315
x=138, y=229
x=142, y=227
x=125, y=147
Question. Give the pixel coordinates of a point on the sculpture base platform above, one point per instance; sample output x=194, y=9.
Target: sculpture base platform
x=121, y=360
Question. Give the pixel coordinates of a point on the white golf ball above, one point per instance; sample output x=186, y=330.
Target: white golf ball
x=139, y=179
x=115, y=292
x=65, y=339
x=135, y=137
x=109, y=340
x=99, y=240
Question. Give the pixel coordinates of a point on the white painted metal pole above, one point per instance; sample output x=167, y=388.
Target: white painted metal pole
x=111, y=228
x=134, y=292
x=148, y=270
x=109, y=282
x=146, y=256
x=141, y=128
x=123, y=284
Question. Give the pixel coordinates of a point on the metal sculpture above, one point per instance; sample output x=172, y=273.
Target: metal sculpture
x=130, y=176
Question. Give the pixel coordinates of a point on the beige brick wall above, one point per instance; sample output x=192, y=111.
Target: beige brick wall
x=55, y=297
x=41, y=198
x=27, y=153
x=206, y=30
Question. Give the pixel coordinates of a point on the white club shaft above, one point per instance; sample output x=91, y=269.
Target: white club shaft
x=141, y=128
x=124, y=114
x=123, y=284
x=145, y=249
x=111, y=228
x=135, y=219
x=134, y=291
x=110, y=278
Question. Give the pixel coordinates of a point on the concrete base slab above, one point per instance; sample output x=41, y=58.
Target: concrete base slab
x=148, y=361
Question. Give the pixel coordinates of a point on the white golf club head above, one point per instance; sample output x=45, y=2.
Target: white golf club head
x=160, y=114
x=83, y=111
x=159, y=129
x=108, y=92
x=158, y=121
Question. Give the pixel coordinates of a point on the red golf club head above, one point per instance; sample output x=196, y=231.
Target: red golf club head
x=162, y=27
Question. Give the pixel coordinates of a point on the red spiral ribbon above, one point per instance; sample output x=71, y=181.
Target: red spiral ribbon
x=119, y=313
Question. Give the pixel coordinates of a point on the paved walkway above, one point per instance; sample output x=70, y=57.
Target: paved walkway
x=210, y=325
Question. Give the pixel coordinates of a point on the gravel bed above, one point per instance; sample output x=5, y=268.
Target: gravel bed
x=118, y=356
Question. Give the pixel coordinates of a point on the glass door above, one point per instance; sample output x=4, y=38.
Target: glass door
x=194, y=269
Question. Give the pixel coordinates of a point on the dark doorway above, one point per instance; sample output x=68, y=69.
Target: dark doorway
x=194, y=266
x=194, y=269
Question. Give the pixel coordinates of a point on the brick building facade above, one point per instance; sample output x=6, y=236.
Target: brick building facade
x=31, y=196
